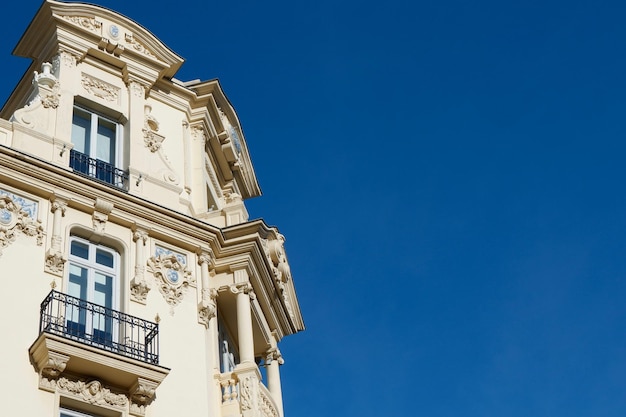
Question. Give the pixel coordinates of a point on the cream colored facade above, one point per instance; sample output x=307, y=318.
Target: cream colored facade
x=135, y=284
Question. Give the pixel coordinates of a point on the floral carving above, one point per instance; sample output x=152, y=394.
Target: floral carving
x=92, y=392
x=266, y=405
x=152, y=140
x=246, y=394
x=99, y=88
x=15, y=221
x=130, y=40
x=88, y=23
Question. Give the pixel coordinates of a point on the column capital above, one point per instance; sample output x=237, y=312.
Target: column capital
x=274, y=354
x=206, y=256
x=58, y=204
x=140, y=235
x=243, y=287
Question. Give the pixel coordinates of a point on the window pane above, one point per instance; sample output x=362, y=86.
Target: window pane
x=105, y=146
x=104, y=258
x=77, y=286
x=81, y=131
x=79, y=249
x=103, y=290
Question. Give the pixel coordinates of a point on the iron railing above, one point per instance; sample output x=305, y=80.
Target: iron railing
x=99, y=326
x=98, y=169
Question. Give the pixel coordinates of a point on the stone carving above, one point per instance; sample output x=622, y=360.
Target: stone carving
x=173, y=276
x=137, y=89
x=231, y=197
x=245, y=396
x=275, y=252
x=88, y=23
x=208, y=306
x=100, y=89
x=47, y=86
x=151, y=139
x=92, y=392
x=101, y=215
x=55, y=260
x=15, y=221
x=198, y=133
x=68, y=59
x=141, y=396
x=273, y=354
x=139, y=287
x=130, y=40
x=266, y=405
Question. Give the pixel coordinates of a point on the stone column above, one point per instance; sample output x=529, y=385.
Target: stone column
x=273, y=360
x=244, y=321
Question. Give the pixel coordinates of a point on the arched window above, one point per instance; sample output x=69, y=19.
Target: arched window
x=93, y=280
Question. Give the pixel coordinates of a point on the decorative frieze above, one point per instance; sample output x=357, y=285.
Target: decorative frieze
x=86, y=22
x=100, y=89
x=92, y=392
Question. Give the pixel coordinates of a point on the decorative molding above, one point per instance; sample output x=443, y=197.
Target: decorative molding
x=51, y=369
x=274, y=354
x=137, y=89
x=207, y=309
x=137, y=46
x=68, y=59
x=151, y=139
x=275, y=253
x=101, y=215
x=86, y=22
x=243, y=287
x=173, y=276
x=139, y=287
x=141, y=395
x=55, y=260
x=99, y=88
x=92, y=392
x=15, y=221
x=198, y=133
x=266, y=405
x=245, y=396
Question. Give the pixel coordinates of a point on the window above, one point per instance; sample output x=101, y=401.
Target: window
x=93, y=278
x=97, y=147
x=63, y=412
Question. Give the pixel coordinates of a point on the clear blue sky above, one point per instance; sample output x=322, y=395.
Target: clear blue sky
x=450, y=178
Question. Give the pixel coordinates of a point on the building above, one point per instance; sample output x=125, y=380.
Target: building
x=136, y=284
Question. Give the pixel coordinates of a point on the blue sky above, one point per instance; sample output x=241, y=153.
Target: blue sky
x=450, y=179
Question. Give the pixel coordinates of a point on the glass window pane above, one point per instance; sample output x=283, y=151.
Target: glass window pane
x=77, y=286
x=103, y=290
x=79, y=249
x=105, y=145
x=81, y=131
x=104, y=258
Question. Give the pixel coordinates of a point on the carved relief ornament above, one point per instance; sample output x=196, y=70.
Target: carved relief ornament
x=172, y=275
x=137, y=46
x=208, y=306
x=100, y=89
x=86, y=22
x=15, y=221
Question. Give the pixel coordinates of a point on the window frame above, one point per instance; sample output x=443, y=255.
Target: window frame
x=94, y=122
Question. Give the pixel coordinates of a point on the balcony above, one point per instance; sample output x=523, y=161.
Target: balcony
x=100, y=327
x=99, y=170
x=77, y=338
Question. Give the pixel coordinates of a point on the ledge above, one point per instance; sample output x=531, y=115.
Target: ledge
x=53, y=355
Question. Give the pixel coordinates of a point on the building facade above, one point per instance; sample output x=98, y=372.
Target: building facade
x=135, y=283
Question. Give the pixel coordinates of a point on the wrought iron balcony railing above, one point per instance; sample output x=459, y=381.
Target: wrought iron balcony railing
x=101, y=327
x=98, y=169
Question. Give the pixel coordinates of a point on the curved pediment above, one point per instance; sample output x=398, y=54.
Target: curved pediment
x=89, y=30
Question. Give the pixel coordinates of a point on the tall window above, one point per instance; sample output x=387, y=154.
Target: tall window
x=93, y=278
x=96, y=151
